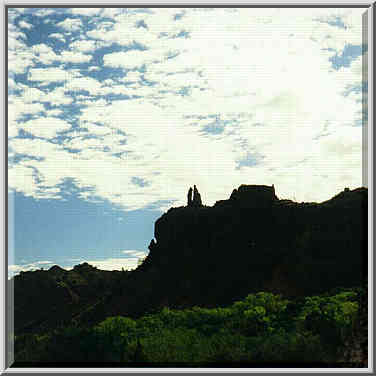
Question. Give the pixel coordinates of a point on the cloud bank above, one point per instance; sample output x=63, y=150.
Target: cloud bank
x=175, y=97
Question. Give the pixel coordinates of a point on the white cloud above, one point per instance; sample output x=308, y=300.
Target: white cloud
x=97, y=130
x=135, y=254
x=130, y=59
x=18, y=63
x=112, y=12
x=85, y=143
x=58, y=97
x=43, y=12
x=132, y=76
x=19, y=56
x=12, y=85
x=32, y=94
x=45, y=127
x=58, y=36
x=52, y=170
x=12, y=130
x=35, y=147
x=47, y=75
x=84, y=83
x=124, y=30
x=261, y=77
x=18, y=107
x=41, y=49
x=46, y=55
x=74, y=57
x=70, y=24
x=86, y=11
x=21, y=179
x=25, y=25
x=86, y=45
x=55, y=112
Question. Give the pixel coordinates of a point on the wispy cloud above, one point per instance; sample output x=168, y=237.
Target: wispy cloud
x=134, y=254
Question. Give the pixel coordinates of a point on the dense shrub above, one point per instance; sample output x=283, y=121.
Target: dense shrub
x=261, y=328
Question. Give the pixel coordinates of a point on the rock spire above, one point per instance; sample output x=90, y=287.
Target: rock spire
x=194, y=201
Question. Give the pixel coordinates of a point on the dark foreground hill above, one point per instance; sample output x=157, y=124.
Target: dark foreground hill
x=45, y=299
x=212, y=256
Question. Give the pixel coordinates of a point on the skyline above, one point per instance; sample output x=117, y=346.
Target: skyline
x=114, y=113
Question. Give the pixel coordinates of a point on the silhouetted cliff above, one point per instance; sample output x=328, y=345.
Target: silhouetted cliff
x=254, y=241
x=212, y=256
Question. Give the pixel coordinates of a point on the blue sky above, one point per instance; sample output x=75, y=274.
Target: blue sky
x=114, y=113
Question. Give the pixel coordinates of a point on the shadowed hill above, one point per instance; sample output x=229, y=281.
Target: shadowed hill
x=212, y=256
x=48, y=298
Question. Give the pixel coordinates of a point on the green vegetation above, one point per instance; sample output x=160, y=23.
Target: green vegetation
x=263, y=327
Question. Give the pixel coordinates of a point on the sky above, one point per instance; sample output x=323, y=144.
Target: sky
x=113, y=113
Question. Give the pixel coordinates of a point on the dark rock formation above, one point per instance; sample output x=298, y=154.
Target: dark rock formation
x=196, y=200
x=152, y=245
x=254, y=241
x=254, y=196
x=189, y=203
